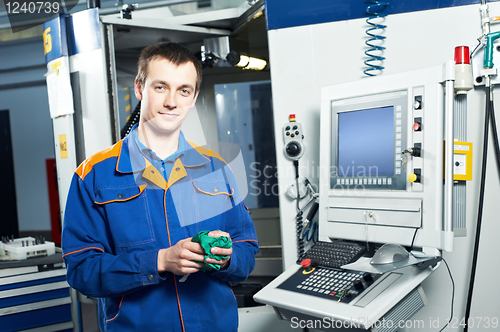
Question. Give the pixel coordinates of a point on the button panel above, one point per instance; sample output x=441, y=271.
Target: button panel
x=365, y=181
x=337, y=285
x=415, y=161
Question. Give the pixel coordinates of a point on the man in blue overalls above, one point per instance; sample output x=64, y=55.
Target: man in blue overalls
x=133, y=208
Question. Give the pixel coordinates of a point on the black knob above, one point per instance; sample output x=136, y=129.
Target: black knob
x=415, y=151
x=293, y=149
x=358, y=285
x=367, y=277
x=457, y=163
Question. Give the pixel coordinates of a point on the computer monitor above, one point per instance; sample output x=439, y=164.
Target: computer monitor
x=381, y=160
x=367, y=136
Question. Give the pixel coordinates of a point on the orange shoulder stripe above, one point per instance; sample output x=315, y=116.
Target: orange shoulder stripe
x=74, y=252
x=86, y=166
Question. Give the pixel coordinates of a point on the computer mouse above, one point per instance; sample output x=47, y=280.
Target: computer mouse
x=389, y=253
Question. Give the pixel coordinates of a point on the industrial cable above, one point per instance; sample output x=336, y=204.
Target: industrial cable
x=489, y=117
x=298, y=217
x=451, y=278
x=133, y=119
x=481, y=204
x=310, y=230
x=375, y=49
x=495, y=133
x=413, y=240
x=452, y=295
x=452, y=287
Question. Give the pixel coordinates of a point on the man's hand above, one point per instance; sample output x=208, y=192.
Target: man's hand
x=184, y=257
x=220, y=251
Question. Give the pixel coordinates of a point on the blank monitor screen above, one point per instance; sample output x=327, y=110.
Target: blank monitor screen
x=366, y=142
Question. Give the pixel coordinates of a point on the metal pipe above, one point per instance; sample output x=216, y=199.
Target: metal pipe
x=485, y=17
x=449, y=147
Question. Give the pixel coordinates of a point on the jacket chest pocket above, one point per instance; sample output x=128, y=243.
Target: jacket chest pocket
x=202, y=199
x=128, y=215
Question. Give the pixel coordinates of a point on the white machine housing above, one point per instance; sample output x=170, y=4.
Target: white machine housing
x=368, y=207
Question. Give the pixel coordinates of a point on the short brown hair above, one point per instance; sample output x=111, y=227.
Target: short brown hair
x=173, y=52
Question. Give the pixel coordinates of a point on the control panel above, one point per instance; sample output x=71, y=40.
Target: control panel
x=293, y=137
x=415, y=152
x=333, y=284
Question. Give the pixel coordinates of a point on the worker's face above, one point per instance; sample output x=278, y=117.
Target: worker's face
x=167, y=95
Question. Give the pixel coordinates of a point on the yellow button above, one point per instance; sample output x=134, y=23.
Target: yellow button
x=412, y=177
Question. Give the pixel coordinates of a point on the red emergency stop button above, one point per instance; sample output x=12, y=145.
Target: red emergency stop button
x=306, y=262
x=307, y=265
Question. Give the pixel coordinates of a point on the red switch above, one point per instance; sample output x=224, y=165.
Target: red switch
x=417, y=124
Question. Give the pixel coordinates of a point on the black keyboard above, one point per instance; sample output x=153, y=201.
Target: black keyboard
x=334, y=254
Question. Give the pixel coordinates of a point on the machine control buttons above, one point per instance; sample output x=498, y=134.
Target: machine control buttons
x=358, y=285
x=293, y=149
x=415, y=151
x=307, y=265
x=415, y=176
x=367, y=277
x=292, y=134
x=417, y=124
x=417, y=103
x=340, y=286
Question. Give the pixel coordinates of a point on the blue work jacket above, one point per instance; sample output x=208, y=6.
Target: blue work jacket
x=120, y=211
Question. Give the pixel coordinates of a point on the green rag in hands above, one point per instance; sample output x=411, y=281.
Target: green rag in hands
x=207, y=243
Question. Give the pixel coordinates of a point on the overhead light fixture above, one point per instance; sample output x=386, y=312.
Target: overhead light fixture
x=244, y=61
